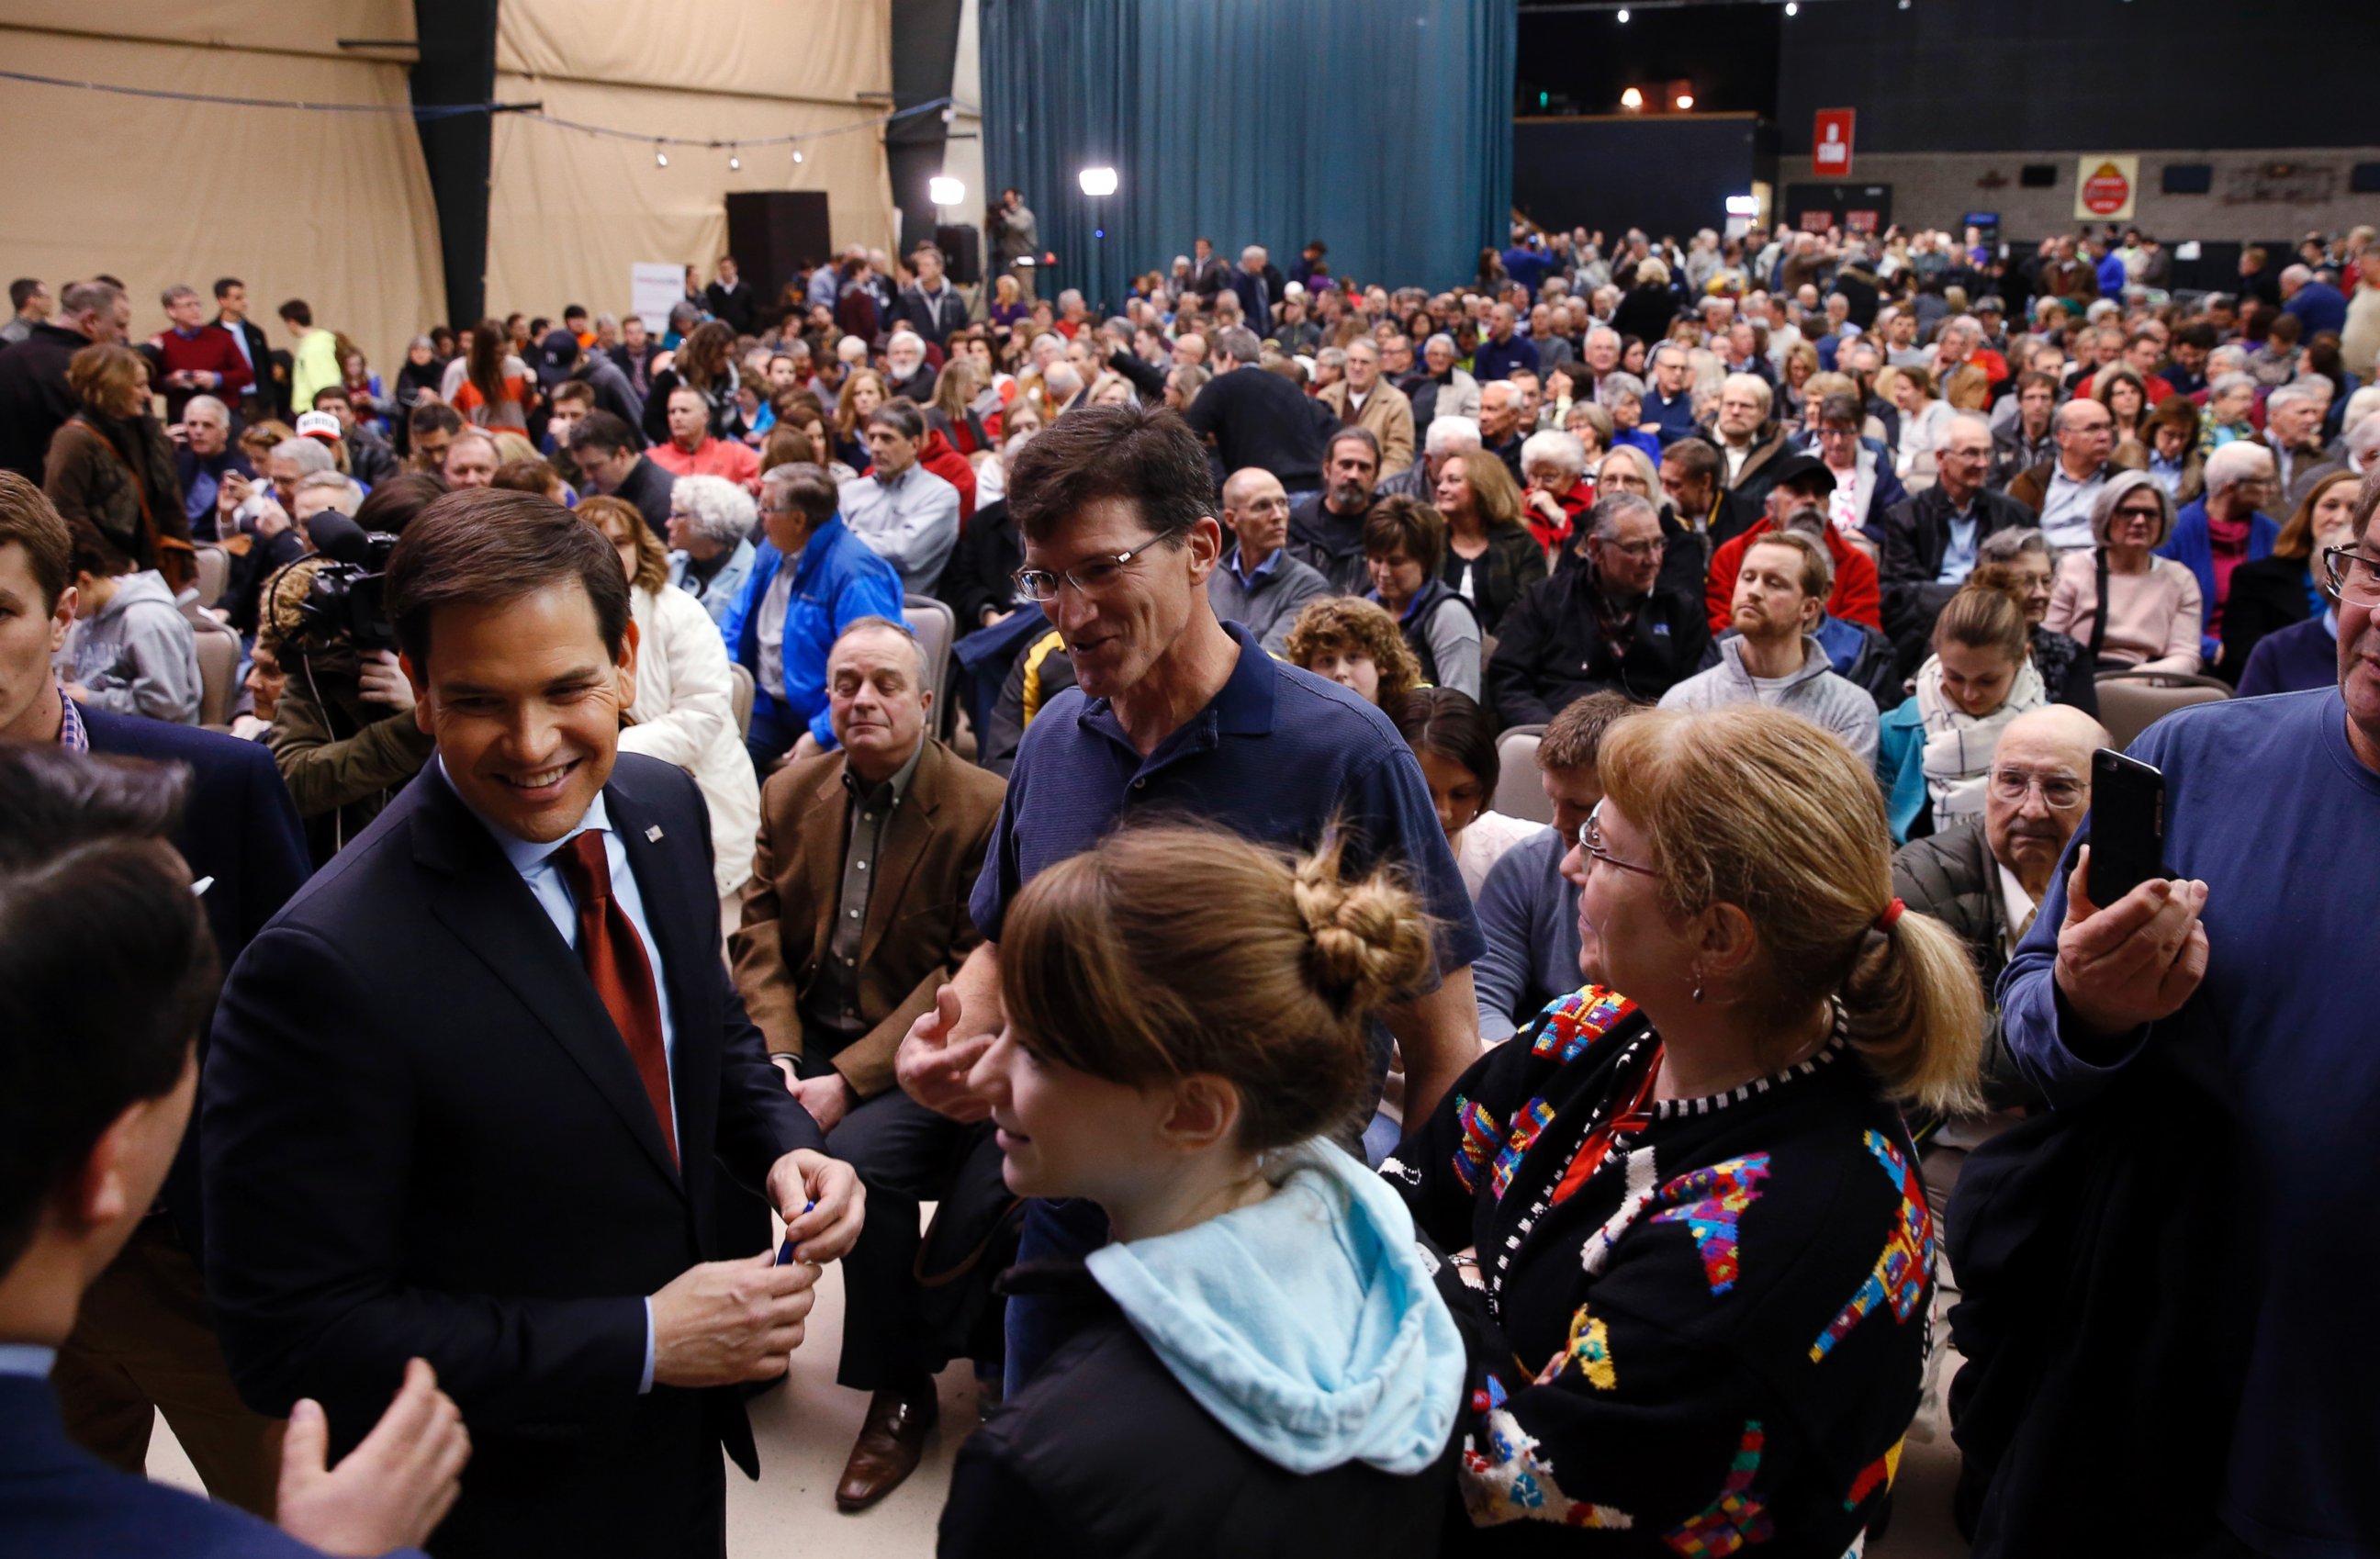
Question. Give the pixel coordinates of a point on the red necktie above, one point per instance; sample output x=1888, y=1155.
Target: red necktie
x=615, y=961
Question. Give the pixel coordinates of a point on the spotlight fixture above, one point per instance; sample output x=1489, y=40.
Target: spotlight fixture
x=1632, y=99
x=1684, y=100
x=1096, y=182
x=1791, y=9
x=944, y=190
x=1623, y=15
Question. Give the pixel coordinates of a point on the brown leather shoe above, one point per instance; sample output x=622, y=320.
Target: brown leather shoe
x=889, y=1447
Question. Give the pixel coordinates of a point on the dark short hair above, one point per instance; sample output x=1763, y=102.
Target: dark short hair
x=395, y=501
x=604, y=430
x=106, y=967
x=1695, y=458
x=21, y=291
x=332, y=393
x=570, y=308
x=901, y=415
x=575, y=389
x=1838, y=408
x=1403, y=523
x=1145, y=456
x=486, y=545
x=435, y=417
x=1449, y=723
x=94, y=553
x=225, y=284
x=298, y=311
x=29, y=519
x=1362, y=436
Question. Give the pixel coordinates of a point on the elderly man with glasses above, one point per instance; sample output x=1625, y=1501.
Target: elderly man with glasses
x=1607, y=619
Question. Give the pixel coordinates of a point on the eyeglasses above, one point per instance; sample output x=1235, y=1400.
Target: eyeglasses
x=2151, y=514
x=1640, y=550
x=2354, y=576
x=2060, y=790
x=1089, y=578
x=1590, y=839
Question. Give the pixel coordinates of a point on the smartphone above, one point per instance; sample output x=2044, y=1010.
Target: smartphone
x=2126, y=825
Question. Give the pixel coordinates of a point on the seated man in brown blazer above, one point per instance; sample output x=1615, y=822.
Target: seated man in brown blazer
x=855, y=912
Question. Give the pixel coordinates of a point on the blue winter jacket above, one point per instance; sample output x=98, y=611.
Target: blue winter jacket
x=836, y=581
x=2193, y=544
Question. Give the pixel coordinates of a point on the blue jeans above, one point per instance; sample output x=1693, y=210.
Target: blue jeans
x=774, y=731
x=1038, y=1325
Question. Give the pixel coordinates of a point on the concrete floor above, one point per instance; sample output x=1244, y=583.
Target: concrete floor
x=805, y=1429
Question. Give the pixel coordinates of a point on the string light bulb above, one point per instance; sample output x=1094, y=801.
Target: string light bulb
x=798, y=155
x=735, y=164
x=661, y=158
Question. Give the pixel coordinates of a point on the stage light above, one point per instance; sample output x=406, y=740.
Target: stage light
x=946, y=191
x=1098, y=181
x=1791, y=9
x=1684, y=101
x=1623, y=14
x=1632, y=98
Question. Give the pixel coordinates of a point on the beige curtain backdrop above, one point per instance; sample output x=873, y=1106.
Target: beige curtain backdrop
x=570, y=213
x=333, y=208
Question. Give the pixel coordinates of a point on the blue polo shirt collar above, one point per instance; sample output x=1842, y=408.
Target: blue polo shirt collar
x=1243, y=707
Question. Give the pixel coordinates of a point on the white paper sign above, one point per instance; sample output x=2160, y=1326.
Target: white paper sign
x=654, y=288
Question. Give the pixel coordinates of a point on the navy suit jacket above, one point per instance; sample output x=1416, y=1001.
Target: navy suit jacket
x=240, y=827
x=424, y=1135
x=57, y=1501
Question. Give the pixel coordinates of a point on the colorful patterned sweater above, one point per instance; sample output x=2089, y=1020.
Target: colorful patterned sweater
x=1702, y=1332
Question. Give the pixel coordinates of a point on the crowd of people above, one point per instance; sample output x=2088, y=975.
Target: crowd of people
x=480, y=850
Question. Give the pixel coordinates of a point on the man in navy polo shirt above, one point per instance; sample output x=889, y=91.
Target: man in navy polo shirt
x=1175, y=713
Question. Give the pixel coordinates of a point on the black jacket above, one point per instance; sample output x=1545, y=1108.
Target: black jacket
x=1550, y=649
x=2267, y=596
x=1916, y=534
x=649, y=488
x=1512, y=563
x=424, y=1136
x=34, y=399
x=241, y=837
x=1954, y=876
x=981, y=575
x=737, y=310
x=1331, y=544
x=1105, y=1454
x=934, y=317
x=1259, y=419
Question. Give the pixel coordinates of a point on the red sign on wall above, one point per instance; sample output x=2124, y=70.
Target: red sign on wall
x=1830, y=143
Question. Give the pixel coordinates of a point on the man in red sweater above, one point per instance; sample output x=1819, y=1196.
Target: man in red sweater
x=1803, y=481
x=195, y=357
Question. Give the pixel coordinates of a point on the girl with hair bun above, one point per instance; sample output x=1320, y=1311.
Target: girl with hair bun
x=1262, y=1365
x=1697, y=1313
x=1934, y=749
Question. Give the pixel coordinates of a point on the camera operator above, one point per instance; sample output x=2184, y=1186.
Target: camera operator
x=343, y=731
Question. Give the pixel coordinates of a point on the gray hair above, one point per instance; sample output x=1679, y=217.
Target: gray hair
x=1617, y=385
x=2237, y=462
x=2007, y=546
x=175, y=294
x=2223, y=384
x=1450, y=435
x=1653, y=358
x=313, y=455
x=1975, y=419
x=1438, y=338
x=1239, y=343
x=2289, y=394
x=1604, y=519
x=316, y=481
x=1072, y=295
x=1555, y=448
x=204, y=402
x=2124, y=483
x=720, y=511
x=1059, y=381
x=1601, y=331
x=1331, y=358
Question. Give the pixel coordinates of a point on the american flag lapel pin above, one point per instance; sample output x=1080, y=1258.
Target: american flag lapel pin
x=654, y=833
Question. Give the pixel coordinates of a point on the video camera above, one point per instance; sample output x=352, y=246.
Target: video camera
x=347, y=601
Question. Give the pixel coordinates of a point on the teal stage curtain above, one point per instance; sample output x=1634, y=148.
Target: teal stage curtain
x=1383, y=128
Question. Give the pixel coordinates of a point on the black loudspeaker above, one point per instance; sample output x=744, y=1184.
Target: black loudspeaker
x=962, y=249
x=2037, y=175
x=773, y=231
x=2189, y=179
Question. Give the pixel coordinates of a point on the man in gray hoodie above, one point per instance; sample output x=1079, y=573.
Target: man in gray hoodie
x=132, y=652
x=1779, y=597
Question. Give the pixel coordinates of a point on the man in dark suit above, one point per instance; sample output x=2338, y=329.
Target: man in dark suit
x=474, y=1090
x=855, y=917
x=1259, y=284
x=146, y=1342
x=1928, y=543
x=106, y=973
x=730, y=301
x=930, y=303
